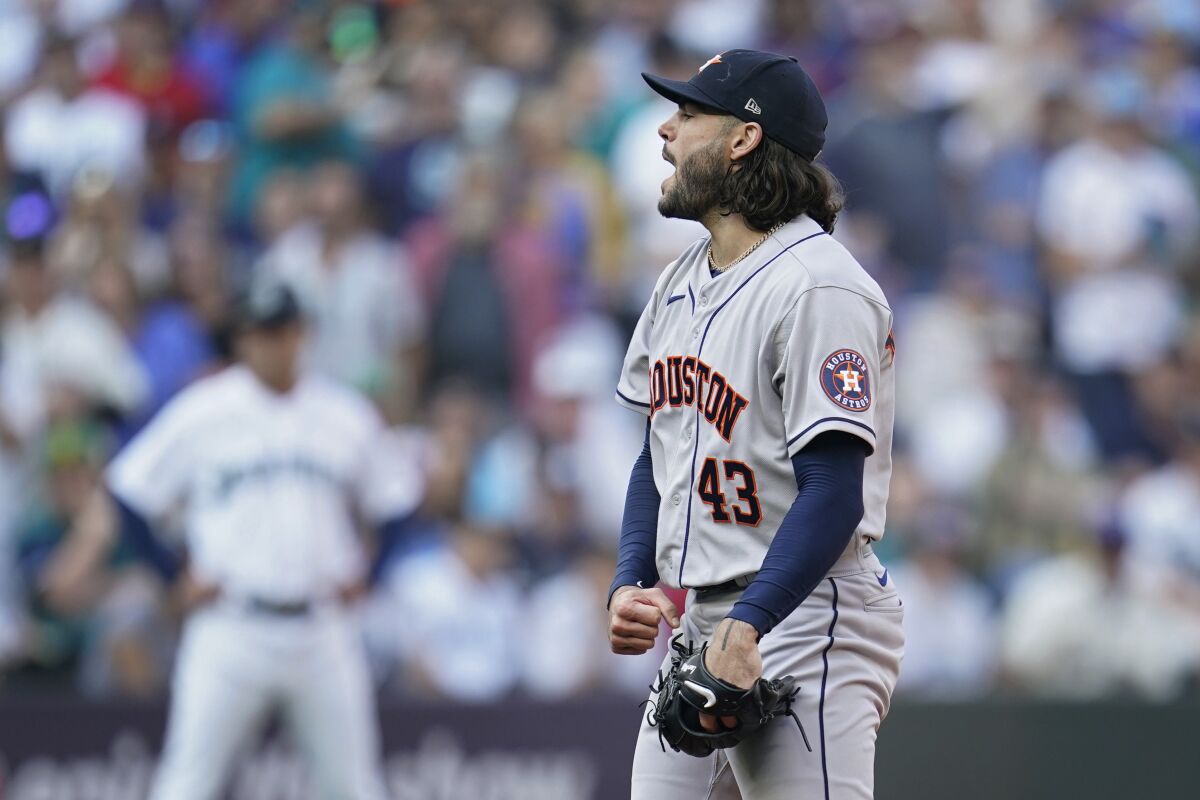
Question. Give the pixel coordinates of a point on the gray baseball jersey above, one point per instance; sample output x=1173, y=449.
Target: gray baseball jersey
x=740, y=371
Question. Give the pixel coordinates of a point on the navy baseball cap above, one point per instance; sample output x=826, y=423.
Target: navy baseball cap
x=754, y=86
x=269, y=305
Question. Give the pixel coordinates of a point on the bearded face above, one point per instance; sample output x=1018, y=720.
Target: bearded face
x=692, y=191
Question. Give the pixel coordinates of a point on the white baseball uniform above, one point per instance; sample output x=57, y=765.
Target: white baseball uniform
x=738, y=372
x=269, y=485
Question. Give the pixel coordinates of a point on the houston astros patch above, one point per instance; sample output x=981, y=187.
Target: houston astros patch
x=845, y=380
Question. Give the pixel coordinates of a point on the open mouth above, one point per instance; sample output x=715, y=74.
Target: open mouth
x=667, y=158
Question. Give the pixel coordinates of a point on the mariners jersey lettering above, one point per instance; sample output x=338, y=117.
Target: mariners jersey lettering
x=739, y=372
x=268, y=483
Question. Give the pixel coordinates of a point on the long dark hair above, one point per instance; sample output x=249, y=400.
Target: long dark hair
x=773, y=184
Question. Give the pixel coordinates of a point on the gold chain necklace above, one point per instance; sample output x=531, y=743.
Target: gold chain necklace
x=712, y=264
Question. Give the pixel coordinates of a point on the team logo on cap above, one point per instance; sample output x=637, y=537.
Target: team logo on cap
x=714, y=60
x=845, y=380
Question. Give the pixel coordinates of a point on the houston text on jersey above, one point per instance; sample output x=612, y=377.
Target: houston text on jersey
x=686, y=381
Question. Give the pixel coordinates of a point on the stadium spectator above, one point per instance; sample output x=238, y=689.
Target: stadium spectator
x=491, y=282
x=890, y=160
x=147, y=69
x=1076, y=626
x=61, y=126
x=77, y=355
x=115, y=636
x=949, y=625
x=447, y=108
x=224, y=36
x=1116, y=215
x=101, y=221
x=1160, y=512
x=569, y=191
x=450, y=614
x=367, y=319
x=284, y=113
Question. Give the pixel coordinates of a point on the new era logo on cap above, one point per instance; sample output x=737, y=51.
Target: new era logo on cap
x=752, y=106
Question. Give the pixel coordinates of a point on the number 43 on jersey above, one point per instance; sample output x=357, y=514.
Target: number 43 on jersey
x=739, y=476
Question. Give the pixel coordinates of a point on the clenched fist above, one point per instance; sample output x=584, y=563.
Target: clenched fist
x=634, y=616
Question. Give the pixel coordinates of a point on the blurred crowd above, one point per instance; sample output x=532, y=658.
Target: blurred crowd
x=463, y=194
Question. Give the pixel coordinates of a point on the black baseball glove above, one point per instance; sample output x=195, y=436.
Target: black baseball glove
x=689, y=688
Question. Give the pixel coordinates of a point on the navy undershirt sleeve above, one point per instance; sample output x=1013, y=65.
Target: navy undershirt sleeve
x=136, y=532
x=391, y=533
x=814, y=532
x=639, y=526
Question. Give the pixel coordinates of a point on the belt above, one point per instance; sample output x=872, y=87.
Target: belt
x=850, y=562
x=278, y=608
x=728, y=587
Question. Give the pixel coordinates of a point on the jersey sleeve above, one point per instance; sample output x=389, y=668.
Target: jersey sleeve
x=633, y=387
x=831, y=345
x=151, y=474
x=390, y=482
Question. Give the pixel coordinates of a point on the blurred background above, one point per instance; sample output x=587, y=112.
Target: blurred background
x=463, y=193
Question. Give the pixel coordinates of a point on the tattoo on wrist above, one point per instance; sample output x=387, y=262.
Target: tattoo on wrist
x=725, y=638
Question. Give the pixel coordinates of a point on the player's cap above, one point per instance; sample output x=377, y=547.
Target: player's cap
x=754, y=86
x=269, y=304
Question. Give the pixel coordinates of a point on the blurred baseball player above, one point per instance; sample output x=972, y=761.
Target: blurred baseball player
x=764, y=363
x=271, y=470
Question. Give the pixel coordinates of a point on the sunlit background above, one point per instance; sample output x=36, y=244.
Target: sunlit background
x=463, y=194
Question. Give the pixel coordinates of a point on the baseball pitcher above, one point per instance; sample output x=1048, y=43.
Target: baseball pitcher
x=763, y=363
